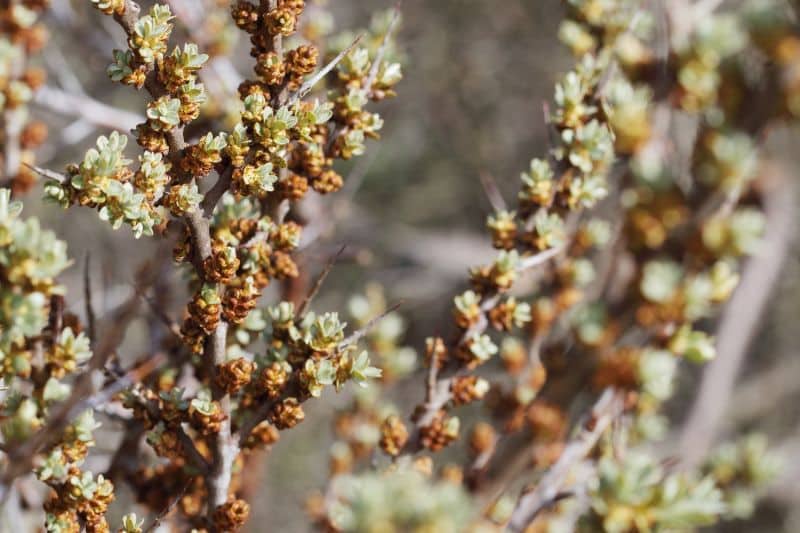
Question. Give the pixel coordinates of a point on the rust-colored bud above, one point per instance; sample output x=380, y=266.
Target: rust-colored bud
x=394, y=435
x=231, y=515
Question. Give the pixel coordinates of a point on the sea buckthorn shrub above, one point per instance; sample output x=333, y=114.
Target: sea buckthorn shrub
x=543, y=398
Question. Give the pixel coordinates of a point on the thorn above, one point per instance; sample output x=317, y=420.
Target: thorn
x=376, y=62
x=358, y=335
x=493, y=192
x=87, y=297
x=320, y=280
x=50, y=174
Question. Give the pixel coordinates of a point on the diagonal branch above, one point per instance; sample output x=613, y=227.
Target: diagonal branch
x=376, y=62
x=320, y=281
x=313, y=80
x=551, y=486
x=359, y=334
x=87, y=108
x=740, y=321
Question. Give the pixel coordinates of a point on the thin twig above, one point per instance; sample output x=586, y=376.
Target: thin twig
x=162, y=316
x=87, y=108
x=87, y=296
x=607, y=408
x=527, y=263
x=320, y=280
x=493, y=192
x=376, y=62
x=313, y=80
x=163, y=514
x=358, y=335
x=49, y=174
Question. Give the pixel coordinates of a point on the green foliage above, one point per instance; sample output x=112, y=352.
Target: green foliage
x=30, y=260
x=402, y=500
x=636, y=494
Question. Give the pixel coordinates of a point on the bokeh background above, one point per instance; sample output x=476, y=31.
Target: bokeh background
x=477, y=73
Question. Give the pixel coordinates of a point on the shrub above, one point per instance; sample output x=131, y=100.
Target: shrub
x=611, y=268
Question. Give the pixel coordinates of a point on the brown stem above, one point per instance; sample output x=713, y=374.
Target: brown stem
x=225, y=447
